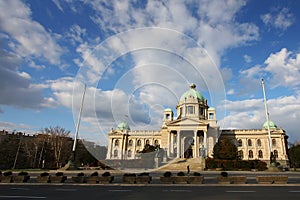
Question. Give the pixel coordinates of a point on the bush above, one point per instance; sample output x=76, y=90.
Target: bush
x=224, y=174
x=144, y=174
x=59, y=174
x=80, y=174
x=105, y=174
x=8, y=173
x=180, y=174
x=23, y=174
x=94, y=174
x=44, y=174
x=196, y=174
x=130, y=174
x=167, y=174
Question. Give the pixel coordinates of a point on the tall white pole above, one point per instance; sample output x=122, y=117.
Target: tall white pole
x=78, y=122
x=267, y=115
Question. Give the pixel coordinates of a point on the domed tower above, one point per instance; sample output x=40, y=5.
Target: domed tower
x=123, y=126
x=192, y=105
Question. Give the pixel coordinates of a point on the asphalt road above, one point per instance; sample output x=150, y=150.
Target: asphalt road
x=87, y=192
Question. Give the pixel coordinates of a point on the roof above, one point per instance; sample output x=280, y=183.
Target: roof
x=192, y=92
x=271, y=124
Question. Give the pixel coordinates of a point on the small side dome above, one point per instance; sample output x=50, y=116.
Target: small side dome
x=123, y=126
x=192, y=92
x=271, y=124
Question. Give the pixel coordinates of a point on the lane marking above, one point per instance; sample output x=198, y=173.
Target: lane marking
x=241, y=191
x=22, y=197
x=68, y=190
x=177, y=190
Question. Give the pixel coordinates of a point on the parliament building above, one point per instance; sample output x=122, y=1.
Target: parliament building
x=194, y=132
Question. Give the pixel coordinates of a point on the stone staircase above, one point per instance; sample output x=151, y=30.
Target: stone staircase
x=180, y=164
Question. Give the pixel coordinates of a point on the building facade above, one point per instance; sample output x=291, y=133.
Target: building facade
x=193, y=133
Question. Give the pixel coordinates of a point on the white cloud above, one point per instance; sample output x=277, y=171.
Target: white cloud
x=284, y=67
x=30, y=36
x=279, y=19
x=76, y=34
x=247, y=58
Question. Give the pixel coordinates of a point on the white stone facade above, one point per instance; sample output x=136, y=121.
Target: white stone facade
x=193, y=133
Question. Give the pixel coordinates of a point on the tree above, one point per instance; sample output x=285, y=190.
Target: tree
x=294, y=154
x=59, y=140
x=225, y=150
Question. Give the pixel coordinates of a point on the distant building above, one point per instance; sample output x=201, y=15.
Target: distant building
x=193, y=133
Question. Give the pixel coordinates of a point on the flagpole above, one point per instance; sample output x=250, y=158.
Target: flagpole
x=78, y=123
x=268, y=120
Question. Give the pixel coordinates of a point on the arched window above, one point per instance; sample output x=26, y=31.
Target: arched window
x=139, y=143
x=275, y=153
x=115, y=153
x=190, y=110
x=129, y=153
x=240, y=154
x=116, y=142
x=240, y=143
x=273, y=142
x=259, y=143
x=260, y=154
x=250, y=154
x=249, y=142
x=147, y=141
x=130, y=142
x=156, y=143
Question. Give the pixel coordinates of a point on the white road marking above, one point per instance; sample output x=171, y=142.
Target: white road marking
x=22, y=197
x=237, y=191
x=177, y=191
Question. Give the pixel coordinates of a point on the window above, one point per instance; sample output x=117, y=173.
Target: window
x=240, y=143
x=249, y=142
x=273, y=142
x=115, y=153
x=275, y=153
x=260, y=154
x=250, y=154
x=259, y=142
x=240, y=154
x=129, y=153
x=130, y=142
x=156, y=143
x=168, y=116
x=190, y=110
x=211, y=116
x=139, y=143
x=116, y=143
x=147, y=141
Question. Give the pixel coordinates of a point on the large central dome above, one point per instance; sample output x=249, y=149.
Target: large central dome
x=192, y=92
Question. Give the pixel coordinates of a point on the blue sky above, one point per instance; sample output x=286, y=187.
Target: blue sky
x=138, y=57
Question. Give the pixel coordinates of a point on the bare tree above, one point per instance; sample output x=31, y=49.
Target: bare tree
x=58, y=140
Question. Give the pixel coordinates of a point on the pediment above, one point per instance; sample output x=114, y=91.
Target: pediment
x=187, y=122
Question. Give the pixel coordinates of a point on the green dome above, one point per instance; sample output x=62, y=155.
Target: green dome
x=123, y=126
x=271, y=124
x=192, y=92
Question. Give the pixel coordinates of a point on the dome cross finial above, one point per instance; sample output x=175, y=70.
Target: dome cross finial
x=192, y=86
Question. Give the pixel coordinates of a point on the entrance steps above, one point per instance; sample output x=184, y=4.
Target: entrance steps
x=180, y=164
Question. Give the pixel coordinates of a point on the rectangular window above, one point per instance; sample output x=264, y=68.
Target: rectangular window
x=190, y=110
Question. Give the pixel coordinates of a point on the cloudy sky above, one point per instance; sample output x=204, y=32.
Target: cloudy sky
x=136, y=58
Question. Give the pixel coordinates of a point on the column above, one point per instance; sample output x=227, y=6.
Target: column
x=172, y=144
x=178, y=144
x=108, y=156
x=205, y=143
x=196, y=145
x=169, y=144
